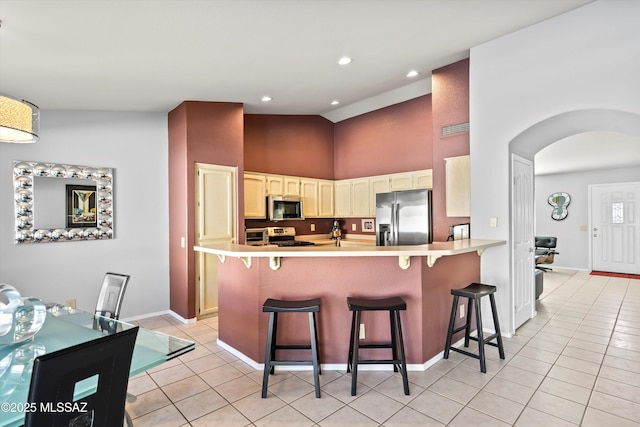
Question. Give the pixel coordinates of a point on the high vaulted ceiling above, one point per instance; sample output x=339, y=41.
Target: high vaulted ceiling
x=150, y=55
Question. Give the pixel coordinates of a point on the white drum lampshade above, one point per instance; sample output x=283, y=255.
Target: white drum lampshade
x=19, y=120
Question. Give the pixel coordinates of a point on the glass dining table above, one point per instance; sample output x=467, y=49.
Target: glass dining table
x=65, y=327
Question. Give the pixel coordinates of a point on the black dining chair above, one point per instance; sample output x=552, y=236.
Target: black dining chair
x=99, y=369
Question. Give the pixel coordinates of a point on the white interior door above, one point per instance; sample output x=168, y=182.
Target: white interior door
x=215, y=223
x=615, y=227
x=523, y=240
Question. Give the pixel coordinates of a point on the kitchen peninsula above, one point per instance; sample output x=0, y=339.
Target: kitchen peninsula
x=422, y=275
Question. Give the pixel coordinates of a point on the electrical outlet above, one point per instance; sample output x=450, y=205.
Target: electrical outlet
x=461, y=311
x=354, y=227
x=71, y=303
x=313, y=227
x=361, y=336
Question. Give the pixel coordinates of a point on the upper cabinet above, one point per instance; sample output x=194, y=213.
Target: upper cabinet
x=343, y=198
x=401, y=181
x=325, y=198
x=458, y=186
x=357, y=197
x=423, y=179
x=317, y=194
x=309, y=194
x=291, y=186
x=255, y=192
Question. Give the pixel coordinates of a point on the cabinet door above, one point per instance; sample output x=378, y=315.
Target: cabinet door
x=377, y=184
x=360, y=198
x=275, y=185
x=309, y=194
x=423, y=179
x=255, y=203
x=458, y=186
x=343, y=198
x=401, y=181
x=325, y=199
x=291, y=186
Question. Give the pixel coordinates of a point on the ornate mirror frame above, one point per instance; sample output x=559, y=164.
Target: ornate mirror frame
x=23, y=179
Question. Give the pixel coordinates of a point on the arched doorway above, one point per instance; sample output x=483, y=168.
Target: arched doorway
x=526, y=145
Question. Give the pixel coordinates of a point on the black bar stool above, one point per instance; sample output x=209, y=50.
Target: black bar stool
x=273, y=307
x=475, y=292
x=393, y=305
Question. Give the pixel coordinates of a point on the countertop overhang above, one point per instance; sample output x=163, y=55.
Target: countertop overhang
x=432, y=251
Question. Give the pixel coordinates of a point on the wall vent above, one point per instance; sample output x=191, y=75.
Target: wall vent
x=453, y=129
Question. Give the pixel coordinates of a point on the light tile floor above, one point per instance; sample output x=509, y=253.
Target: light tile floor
x=576, y=363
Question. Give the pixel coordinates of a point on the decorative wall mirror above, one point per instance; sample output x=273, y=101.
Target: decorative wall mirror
x=59, y=203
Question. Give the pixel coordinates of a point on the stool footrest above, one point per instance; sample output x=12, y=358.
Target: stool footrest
x=375, y=346
x=291, y=362
x=487, y=339
x=468, y=353
x=293, y=347
x=458, y=329
x=381, y=362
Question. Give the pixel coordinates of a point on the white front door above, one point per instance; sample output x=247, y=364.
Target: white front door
x=615, y=227
x=215, y=223
x=523, y=240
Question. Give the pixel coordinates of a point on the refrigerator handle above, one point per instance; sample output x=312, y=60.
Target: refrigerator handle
x=395, y=214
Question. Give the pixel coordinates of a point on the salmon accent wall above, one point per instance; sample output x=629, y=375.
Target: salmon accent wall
x=427, y=291
x=199, y=132
x=394, y=139
x=450, y=97
x=289, y=145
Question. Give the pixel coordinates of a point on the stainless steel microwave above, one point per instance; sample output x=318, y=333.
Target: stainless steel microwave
x=284, y=208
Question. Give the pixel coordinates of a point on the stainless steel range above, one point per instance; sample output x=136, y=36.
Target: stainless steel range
x=285, y=236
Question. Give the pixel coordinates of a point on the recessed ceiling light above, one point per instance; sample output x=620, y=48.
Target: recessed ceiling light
x=266, y=98
x=336, y=102
x=344, y=60
x=412, y=73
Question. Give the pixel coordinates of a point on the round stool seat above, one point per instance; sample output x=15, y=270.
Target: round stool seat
x=474, y=291
x=364, y=304
x=281, y=306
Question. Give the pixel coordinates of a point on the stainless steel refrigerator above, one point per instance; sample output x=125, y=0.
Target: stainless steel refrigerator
x=404, y=218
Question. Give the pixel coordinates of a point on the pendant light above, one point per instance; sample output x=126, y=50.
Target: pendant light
x=19, y=120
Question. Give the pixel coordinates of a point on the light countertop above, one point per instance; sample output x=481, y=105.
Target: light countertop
x=433, y=251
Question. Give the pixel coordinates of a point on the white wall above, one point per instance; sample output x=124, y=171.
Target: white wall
x=586, y=59
x=135, y=145
x=573, y=242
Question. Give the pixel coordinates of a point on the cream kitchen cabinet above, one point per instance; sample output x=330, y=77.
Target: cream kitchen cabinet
x=423, y=179
x=377, y=184
x=326, y=199
x=360, y=197
x=343, y=198
x=291, y=186
x=255, y=192
x=458, y=186
x=309, y=194
x=275, y=185
x=401, y=181
x=353, y=198
x=318, y=197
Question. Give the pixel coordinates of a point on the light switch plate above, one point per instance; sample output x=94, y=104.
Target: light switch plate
x=354, y=227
